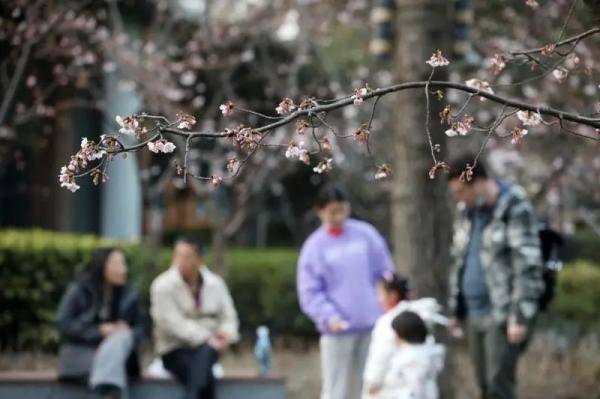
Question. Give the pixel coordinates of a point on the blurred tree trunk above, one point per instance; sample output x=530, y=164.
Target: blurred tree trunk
x=421, y=214
x=421, y=218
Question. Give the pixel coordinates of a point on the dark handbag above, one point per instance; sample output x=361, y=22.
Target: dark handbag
x=75, y=361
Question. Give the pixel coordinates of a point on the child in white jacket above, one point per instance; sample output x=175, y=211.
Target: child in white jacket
x=415, y=364
x=393, y=294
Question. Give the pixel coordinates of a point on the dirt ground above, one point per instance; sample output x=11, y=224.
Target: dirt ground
x=567, y=373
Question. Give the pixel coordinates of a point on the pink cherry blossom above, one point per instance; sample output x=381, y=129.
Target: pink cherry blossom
x=227, y=108
x=437, y=60
x=517, y=135
x=216, y=181
x=460, y=128
x=324, y=166
x=185, y=121
x=358, y=96
x=529, y=118
x=383, y=171
x=532, y=3
x=128, y=124
x=480, y=85
x=285, y=107
x=362, y=133
x=560, y=74
x=67, y=180
x=161, y=145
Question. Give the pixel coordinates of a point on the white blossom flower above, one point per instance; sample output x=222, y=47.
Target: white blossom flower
x=532, y=3
x=128, y=124
x=358, y=96
x=480, y=85
x=560, y=74
x=383, y=171
x=227, y=108
x=437, y=60
x=296, y=150
x=460, y=128
x=285, y=107
x=216, y=181
x=88, y=150
x=357, y=100
x=529, y=118
x=517, y=135
x=186, y=121
x=161, y=145
x=324, y=166
x=362, y=133
x=67, y=179
x=72, y=187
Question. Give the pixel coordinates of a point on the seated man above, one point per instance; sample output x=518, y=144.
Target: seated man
x=194, y=319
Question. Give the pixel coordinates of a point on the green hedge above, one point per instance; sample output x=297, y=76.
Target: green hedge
x=578, y=293
x=36, y=266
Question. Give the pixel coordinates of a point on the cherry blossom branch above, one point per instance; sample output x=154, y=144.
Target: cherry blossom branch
x=573, y=39
x=567, y=19
x=250, y=139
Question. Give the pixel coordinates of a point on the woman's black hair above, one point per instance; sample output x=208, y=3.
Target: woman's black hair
x=393, y=282
x=94, y=272
x=329, y=194
x=410, y=327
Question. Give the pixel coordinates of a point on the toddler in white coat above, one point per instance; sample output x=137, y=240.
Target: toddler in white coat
x=394, y=294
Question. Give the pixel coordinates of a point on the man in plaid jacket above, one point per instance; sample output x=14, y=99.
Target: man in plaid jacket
x=496, y=274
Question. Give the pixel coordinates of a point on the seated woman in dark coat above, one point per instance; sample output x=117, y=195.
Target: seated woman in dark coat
x=100, y=323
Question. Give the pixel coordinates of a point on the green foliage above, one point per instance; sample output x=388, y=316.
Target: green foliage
x=263, y=286
x=578, y=292
x=36, y=266
x=586, y=245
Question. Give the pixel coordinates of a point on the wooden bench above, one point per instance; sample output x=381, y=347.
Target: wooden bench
x=44, y=385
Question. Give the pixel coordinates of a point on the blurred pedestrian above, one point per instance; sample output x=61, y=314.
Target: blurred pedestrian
x=194, y=319
x=100, y=324
x=415, y=363
x=496, y=276
x=339, y=267
x=394, y=297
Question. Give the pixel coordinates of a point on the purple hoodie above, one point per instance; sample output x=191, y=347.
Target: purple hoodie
x=337, y=276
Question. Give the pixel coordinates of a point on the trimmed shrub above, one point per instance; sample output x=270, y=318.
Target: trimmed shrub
x=578, y=293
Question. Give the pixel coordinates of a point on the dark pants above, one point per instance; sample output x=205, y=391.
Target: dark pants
x=193, y=368
x=494, y=358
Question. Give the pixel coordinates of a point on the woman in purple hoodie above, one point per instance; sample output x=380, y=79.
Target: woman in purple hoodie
x=338, y=270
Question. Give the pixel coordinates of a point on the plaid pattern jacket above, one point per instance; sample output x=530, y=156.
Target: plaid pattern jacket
x=510, y=257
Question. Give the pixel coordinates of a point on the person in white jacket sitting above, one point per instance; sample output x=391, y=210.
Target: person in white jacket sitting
x=415, y=363
x=194, y=319
x=394, y=298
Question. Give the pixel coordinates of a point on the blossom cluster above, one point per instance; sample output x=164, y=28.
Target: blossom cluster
x=460, y=128
x=297, y=151
x=89, y=152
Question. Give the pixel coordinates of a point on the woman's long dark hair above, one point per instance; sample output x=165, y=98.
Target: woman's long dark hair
x=94, y=272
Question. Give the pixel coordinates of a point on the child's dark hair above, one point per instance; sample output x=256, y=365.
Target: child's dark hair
x=393, y=282
x=329, y=194
x=410, y=327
